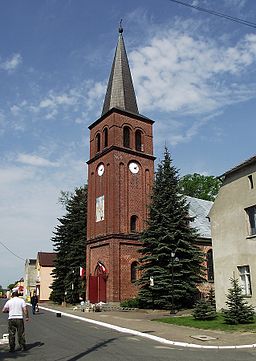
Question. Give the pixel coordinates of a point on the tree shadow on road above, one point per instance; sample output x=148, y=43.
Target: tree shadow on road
x=91, y=349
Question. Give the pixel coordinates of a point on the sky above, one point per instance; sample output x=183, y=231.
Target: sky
x=194, y=75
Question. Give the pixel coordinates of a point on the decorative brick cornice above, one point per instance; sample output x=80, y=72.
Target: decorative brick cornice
x=122, y=112
x=121, y=236
x=120, y=149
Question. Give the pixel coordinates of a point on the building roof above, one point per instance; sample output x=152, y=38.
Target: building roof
x=199, y=210
x=46, y=259
x=240, y=166
x=120, y=91
x=30, y=262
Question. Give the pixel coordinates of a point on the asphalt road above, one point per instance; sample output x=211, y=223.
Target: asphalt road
x=51, y=338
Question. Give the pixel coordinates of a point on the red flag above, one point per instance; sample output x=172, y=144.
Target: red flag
x=82, y=272
x=102, y=267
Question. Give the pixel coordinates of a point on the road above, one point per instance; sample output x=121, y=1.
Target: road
x=51, y=338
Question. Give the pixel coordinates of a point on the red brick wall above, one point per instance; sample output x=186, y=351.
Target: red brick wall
x=128, y=254
x=125, y=194
x=117, y=255
x=115, y=122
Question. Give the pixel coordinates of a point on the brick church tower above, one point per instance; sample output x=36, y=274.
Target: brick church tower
x=120, y=176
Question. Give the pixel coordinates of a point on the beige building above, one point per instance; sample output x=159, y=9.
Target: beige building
x=44, y=268
x=29, y=278
x=233, y=230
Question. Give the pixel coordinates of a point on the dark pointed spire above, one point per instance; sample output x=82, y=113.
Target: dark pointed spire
x=120, y=92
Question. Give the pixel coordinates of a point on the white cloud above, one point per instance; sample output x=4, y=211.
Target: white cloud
x=53, y=101
x=12, y=63
x=79, y=101
x=235, y=3
x=35, y=160
x=29, y=205
x=11, y=175
x=176, y=72
x=95, y=92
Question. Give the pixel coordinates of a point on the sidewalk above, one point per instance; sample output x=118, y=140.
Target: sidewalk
x=139, y=322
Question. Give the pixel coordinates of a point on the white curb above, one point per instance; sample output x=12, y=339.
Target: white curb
x=145, y=335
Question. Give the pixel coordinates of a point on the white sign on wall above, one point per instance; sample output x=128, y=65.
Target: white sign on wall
x=100, y=209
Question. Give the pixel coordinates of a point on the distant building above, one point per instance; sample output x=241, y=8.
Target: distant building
x=19, y=286
x=30, y=278
x=233, y=225
x=44, y=279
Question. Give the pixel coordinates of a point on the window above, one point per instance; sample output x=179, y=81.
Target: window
x=245, y=280
x=100, y=209
x=138, y=140
x=251, y=213
x=133, y=225
x=134, y=271
x=98, y=142
x=105, y=133
x=250, y=179
x=126, y=137
x=210, y=274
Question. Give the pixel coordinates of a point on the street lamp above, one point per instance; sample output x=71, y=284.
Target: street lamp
x=173, y=259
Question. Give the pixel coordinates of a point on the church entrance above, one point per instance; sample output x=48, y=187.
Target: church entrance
x=97, y=284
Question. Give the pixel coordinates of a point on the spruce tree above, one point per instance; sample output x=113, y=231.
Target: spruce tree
x=70, y=245
x=211, y=298
x=239, y=311
x=167, y=233
x=204, y=310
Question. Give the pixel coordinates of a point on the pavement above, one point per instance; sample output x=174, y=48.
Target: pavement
x=140, y=322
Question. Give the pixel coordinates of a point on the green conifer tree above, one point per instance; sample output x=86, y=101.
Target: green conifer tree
x=204, y=310
x=211, y=297
x=239, y=311
x=70, y=245
x=169, y=253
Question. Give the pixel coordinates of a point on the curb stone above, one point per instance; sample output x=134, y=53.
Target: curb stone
x=149, y=336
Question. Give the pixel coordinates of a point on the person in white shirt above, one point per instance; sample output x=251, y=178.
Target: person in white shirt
x=17, y=308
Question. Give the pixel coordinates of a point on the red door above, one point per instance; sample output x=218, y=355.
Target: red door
x=97, y=289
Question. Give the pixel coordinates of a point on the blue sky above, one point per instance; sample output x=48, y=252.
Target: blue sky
x=194, y=74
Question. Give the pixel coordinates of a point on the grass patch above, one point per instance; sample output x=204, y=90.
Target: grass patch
x=216, y=324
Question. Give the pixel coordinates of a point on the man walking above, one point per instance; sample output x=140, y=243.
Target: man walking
x=34, y=302
x=17, y=308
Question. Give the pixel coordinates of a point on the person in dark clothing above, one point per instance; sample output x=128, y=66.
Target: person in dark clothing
x=34, y=303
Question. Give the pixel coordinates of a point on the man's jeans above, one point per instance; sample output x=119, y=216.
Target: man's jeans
x=14, y=325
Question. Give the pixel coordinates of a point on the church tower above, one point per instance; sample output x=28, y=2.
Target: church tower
x=120, y=176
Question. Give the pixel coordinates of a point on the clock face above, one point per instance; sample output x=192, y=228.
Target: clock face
x=100, y=170
x=134, y=167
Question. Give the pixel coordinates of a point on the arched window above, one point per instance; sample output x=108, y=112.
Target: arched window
x=126, y=137
x=134, y=223
x=138, y=140
x=210, y=274
x=134, y=271
x=98, y=142
x=105, y=133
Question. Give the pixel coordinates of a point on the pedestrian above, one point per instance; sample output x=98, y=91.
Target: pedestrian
x=17, y=308
x=34, y=302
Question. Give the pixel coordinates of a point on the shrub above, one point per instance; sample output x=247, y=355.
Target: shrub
x=238, y=309
x=204, y=310
x=130, y=303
